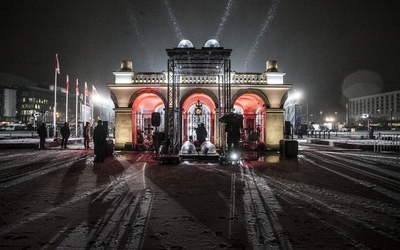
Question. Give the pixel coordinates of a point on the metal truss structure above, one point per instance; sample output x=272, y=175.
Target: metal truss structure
x=207, y=61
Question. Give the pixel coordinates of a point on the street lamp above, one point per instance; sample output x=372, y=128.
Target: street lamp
x=366, y=116
x=332, y=121
x=391, y=119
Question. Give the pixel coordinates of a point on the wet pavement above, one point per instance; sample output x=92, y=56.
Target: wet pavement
x=325, y=198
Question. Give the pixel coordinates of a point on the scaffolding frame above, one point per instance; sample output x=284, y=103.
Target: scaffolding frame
x=196, y=62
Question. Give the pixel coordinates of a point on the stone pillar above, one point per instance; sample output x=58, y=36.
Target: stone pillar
x=273, y=128
x=123, y=128
x=263, y=125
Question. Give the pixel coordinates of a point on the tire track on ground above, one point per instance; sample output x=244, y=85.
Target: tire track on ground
x=394, y=185
x=261, y=209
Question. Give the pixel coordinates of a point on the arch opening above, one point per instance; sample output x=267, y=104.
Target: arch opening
x=198, y=108
x=143, y=127
x=252, y=107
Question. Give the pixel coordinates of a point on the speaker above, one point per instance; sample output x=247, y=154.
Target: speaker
x=155, y=119
x=287, y=128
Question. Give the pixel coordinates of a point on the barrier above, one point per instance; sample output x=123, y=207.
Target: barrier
x=387, y=142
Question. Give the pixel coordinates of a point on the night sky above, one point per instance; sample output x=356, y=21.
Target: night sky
x=329, y=49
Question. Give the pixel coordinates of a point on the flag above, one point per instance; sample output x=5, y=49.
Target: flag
x=77, y=88
x=94, y=91
x=67, y=84
x=86, y=90
x=57, y=65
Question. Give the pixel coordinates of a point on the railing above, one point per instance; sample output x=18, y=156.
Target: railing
x=387, y=142
x=198, y=79
x=149, y=78
x=246, y=78
x=237, y=78
x=318, y=133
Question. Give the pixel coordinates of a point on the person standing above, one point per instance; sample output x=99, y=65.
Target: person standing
x=201, y=133
x=100, y=143
x=233, y=129
x=86, y=135
x=42, y=132
x=65, y=133
x=299, y=131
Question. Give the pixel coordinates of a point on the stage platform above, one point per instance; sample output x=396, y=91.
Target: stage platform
x=169, y=159
x=199, y=157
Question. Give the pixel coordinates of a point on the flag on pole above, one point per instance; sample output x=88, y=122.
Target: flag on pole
x=67, y=84
x=77, y=88
x=57, y=65
x=94, y=91
x=86, y=90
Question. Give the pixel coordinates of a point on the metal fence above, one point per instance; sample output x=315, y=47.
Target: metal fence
x=387, y=142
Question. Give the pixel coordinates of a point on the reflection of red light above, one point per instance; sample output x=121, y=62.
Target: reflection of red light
x=249, y=102
x=148, y=101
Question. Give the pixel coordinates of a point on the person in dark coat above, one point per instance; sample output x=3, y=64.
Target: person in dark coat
x=233, y=129
x=299, y=132
x=100, y=143
x=201, y=133
x=65, y=133
x=42, y=132
x=86, y=135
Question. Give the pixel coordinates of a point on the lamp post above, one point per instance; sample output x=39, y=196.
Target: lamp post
x=332, y=121
x=366, y=116
x=320, y=117
x=391, y=119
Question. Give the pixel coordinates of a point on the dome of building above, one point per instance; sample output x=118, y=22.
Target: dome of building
x=185, y=44
x=188, y=148
x=212, y=43
x=208, y=148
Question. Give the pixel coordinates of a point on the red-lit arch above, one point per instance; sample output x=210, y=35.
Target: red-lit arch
x=190, y=120
x=252, y=104
x=143, y=104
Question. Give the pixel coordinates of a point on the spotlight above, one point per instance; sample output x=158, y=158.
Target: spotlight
x=234, y=156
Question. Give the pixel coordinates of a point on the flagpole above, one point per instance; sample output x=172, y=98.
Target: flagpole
x=91, y=102
x=95, y=94
x=76, y=109
x=66, y=100
x=57, y=70
x=84, y=105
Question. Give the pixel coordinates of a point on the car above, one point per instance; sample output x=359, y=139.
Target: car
x=345, y=129
x=15, y=126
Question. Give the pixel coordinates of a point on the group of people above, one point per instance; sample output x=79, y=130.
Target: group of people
x=65, y=133
x=232, y=129
x=99, y=138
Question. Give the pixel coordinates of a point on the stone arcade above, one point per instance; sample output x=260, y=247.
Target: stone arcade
x=198, y=87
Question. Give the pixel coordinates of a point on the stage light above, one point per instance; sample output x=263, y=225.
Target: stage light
x=234, y=156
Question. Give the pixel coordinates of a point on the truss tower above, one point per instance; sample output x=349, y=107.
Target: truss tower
x=189, y=61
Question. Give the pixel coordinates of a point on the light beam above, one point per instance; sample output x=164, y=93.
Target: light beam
x=175, y=24
x=224, y=19
x=264, y=27
x=141, y=39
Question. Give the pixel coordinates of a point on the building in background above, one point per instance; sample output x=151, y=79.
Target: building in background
x=28, y=102
x=380, y=109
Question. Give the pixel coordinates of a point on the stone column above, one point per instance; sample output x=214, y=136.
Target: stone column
x=123, y=128
x=273, y=128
